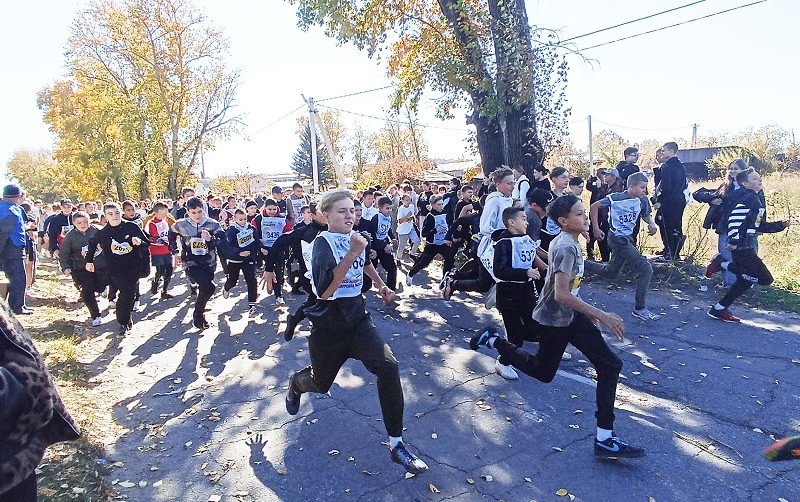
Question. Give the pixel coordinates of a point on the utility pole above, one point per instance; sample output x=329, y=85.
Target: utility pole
x=312, y=128
x=591, y=153
x=694, y=135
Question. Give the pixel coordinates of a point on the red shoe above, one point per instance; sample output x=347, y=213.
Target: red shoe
x=723, y=315
x=784, y=449
x=715, y=266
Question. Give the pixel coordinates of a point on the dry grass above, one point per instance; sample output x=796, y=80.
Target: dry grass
x=69, y=471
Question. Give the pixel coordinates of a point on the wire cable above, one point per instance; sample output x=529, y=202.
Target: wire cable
x=673, y=25
x=275, y=122
x=387, y=119
x=640, y=128
x=353, y=94
x=632, y=21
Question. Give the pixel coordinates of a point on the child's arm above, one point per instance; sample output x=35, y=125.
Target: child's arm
x=651, y=226
x=564, y=296
x=387, y=295
x=357, y=244
x=594, y=216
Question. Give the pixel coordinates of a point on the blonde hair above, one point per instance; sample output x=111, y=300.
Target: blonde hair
x=328, y=199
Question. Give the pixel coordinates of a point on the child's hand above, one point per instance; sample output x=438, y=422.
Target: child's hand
x=387, y=295
x=614, y=323
x=534, y=273
x=652, y=229
x=244, y=254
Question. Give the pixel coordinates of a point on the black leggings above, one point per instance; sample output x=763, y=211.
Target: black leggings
x=584, y=336
x=520, y=327
x=164, y=272
x=749, y=270
x=329, y=350
x=204, y=278
x=430, y=252
x=127, y=287
x=89, y=285
x=387, y=262
x=248, y=270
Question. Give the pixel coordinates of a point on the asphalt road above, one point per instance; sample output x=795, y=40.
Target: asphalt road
x=207, y=419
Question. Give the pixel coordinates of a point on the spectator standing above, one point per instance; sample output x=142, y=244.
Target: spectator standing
x=12, y=247
x=671, y=201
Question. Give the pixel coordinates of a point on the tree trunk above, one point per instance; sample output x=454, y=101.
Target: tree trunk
x=490, y=140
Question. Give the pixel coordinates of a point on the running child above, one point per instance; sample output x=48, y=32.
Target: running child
x=434, y=229
x=562, y=318
x=624, y=211
x=157, y=230
x=242, y=249
x=341, y=327
x=406, y=231
x=382, y=239
x=73, y=263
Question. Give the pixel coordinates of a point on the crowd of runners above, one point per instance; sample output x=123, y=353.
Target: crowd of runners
x=516, y=236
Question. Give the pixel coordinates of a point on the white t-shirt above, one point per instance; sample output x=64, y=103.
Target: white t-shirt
x=406, y=227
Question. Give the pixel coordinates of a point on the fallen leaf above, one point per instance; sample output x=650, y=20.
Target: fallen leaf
x=214, y=498
x=369, y=473
x=556, y=448
x=333, y=452
x=158, y=483
x=571, y=496
x=126, y=484
x=142, y=484
x=562, y=492
x=432, y=488
x=241, y=493
x=434, y=436
x=528, y=480
x=574, y=426
x=470, y=481
x=419, y=415
x=78, y=491
x=577, y=411
x=282, y=472
x=758, y=430
x=410, y=475
x=487, y=477
x=351, y=459
x=117, y=464
x=153, y=468
x=651, y=499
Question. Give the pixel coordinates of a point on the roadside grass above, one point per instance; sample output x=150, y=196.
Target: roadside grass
x=69, y=471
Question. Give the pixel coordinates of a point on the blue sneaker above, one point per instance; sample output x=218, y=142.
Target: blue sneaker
x=482, y=339
x=614, y=447
x=410, y=462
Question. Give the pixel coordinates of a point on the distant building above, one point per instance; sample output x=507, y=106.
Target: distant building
x=694, y=159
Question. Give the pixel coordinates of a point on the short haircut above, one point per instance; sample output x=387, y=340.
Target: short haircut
x=631, y=150
x=467, y=188
x=383, y=201
x=575, y=181
x=561, y=207
x=80, y=214
x=407, y=188
x=501, y=173
x=455, y=180
x=110, y=206
x=434, y=199
x=740, y=163
x=159, y=206
x=297, y=185
x=511, y=213
x=240, y=211
x=367, y=192
x=745, y=175
x=277, y=189
x=194, y=203
x=557, y=171
x=637, y=179
x=405, y=196
x=541, y=169
x=671, y=145
x=186, y=190
x=312, y=206
x=328, y=199
x=128, y=203
x=304, y=208
x=357, y=203
x=270, y=202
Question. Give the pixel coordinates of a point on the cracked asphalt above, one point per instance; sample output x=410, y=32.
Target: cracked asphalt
x=206, y=418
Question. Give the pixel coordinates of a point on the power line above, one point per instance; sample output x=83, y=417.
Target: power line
x=673, y=25
x=275, y=122
x=632, y=21
x=639, y=128
x=386, y=119
x=354, y=94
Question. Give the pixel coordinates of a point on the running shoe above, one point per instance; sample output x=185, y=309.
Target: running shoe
x=505, y=371
x=444, y=280
x=410, y=462
x=723, y=315
x=136, y=305
x=447, y=291
x=715, y=266
x=253, y=312
x=482, y=339
x=292, y=400
x=614, y=447
x=491, y=298
x=409, y=280
x=166, y=296
x=200, y=323
x=291, y=324
x=566, y=356
x=279, y=302
x=112, y=304
x=787, y=448
x=226, y=293
x=97, y=321
x=645, y=315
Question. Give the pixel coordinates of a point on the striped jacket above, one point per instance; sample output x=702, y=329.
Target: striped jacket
x=746, y=219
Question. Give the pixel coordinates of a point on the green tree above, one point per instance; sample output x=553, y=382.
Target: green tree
x=476, y=54
x=362, y=151
x=302, y=163
x=609, y=146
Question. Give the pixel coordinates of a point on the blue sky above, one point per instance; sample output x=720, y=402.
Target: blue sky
x=725, y=73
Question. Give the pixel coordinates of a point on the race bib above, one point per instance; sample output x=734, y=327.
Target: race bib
x=354, y=279
x=65, y=229
x=440, y=221
x=85, y=251
x=245, y=238
x=120, y=248
x=384, y=224
x=487, y=259
x=523, y=250
x=576, y=281
x=271, y=229
x=198, y=246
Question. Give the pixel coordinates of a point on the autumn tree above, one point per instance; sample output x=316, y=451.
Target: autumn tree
x=361, y=150
x=40, y=175
x=149, y=78
x=476, y=54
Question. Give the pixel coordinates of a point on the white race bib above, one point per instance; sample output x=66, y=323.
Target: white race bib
x=120, y=248
x=65, y=229
x=440, y=221
x=271, y=229
x=198, y=246
x=354, y=279
x=245, y=237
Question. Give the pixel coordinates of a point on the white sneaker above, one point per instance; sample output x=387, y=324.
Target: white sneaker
x=409, y=280
x=279, y=301
x=504, y=371
x=136, y=305
x=253, y=312
x=491, y=298
x=225, y=293
x=97, y=321
x=112, y=304
x=566, y=356
x=645, y=315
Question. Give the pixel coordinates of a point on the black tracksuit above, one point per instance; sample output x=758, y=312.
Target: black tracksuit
x=672, y=183
x=377, y=229
x=431, y=248
x=238, y=239
x=306, y=238
x=126, y=262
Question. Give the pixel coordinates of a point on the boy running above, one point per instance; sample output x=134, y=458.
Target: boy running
x=242, y=250
x=73, y=263
x=382, y=238
x=341, y=327
x=561, y=318
x=157, y=230
x=625, y=209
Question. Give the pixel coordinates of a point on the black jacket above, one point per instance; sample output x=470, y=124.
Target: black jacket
x=134, y=263
x=717, y=215
x=519, y=294
x=672, y=183
x=747, y=218
x=429, y=224
x=625, y=169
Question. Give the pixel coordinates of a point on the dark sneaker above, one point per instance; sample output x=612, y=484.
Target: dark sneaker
x=201, y=323
x=153, y=286
x=166, y=296
x=715, y=266
x=614, y=447
x=784, y=449
x=194, y=290
x=482, y=339
x=444, y=280
x=292, y=400
x=291, y=324
x=723, y=315
x=410, y=462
